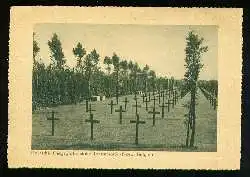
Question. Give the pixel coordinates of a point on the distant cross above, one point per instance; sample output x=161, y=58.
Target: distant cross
x=92, y=122
x=168, y=93
x=154, y=100
x=162, y=93
x=149, y=96
x=159, y=98
x=120, y=111
x=125, y=103
x=143, y=97
x=172, y=102
x=176, y=96
x=137, y=122
x=136, y=105
x=87, y=105
x=163, y=96
x=52, y=118
x=163, y=110
x=173, y=98
x=154, y=113
x=111, y=106
x=90, y=109
x=146, y=102
x=168, y=103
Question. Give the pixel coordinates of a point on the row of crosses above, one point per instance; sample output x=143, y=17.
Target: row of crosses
x=92, y=121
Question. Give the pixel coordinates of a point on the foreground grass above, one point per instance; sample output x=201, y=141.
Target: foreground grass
x=72, y=132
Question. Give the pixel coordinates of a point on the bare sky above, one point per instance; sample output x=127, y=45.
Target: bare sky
x=161, y=47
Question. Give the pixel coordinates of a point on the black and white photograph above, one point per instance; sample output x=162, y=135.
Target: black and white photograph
x=124, y=87
x=117, y=88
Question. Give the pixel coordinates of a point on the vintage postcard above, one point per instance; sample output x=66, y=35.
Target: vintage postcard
x=112, y=87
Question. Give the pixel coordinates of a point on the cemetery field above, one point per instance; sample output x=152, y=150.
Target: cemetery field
x=169, y=133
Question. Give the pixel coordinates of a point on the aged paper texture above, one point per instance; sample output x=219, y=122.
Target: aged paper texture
x=134, y=135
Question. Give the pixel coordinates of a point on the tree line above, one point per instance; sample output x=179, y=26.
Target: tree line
x=58, y=83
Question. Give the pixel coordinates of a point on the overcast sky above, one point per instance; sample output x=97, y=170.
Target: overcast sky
x=161, y=47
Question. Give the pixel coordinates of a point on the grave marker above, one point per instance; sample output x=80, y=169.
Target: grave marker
x=163, y=110
x=154, y=113
x=90, y=109
x=136, y=105
x=168, y=103
x=159, y=98
x=143, y=97
x=125, y=103
x=137, y=122
x=111, y=106
x=120, y=111
x=154, y=100
x=52, y=122
x=146, y=102
x=163, y=96
x=92, y=122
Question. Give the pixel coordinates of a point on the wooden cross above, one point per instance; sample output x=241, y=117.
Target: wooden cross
x=168, y=103
x=137, y=122
x=146, y=102
x=111, y=106
x=120, y=111
x=125, y=103
x=136, y=105
x=52, y=118
x=92, y=122
x=90, y=109
x=172, y=102
x=149, y=97
x=159, y=98
x=162, y=109
x=168, y=93
x=154, y=100
x=174, y=97
x=163, y=96
x=154, y=113
x=143, y=97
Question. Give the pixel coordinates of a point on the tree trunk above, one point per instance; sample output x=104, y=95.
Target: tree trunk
x=193, y=102
x=188, y=129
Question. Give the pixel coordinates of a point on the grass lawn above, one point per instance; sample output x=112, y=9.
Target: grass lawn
x=169, y=133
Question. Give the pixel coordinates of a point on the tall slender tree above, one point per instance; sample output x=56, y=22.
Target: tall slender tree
x=145, y=71
x=108, y=62
x=90, y=62
x=35, y=74
x=58, y=63
x=36, y=48
x=79, y=52
x=194, y=50
x=116, y=64
x=57, y=55
x=124, y=75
